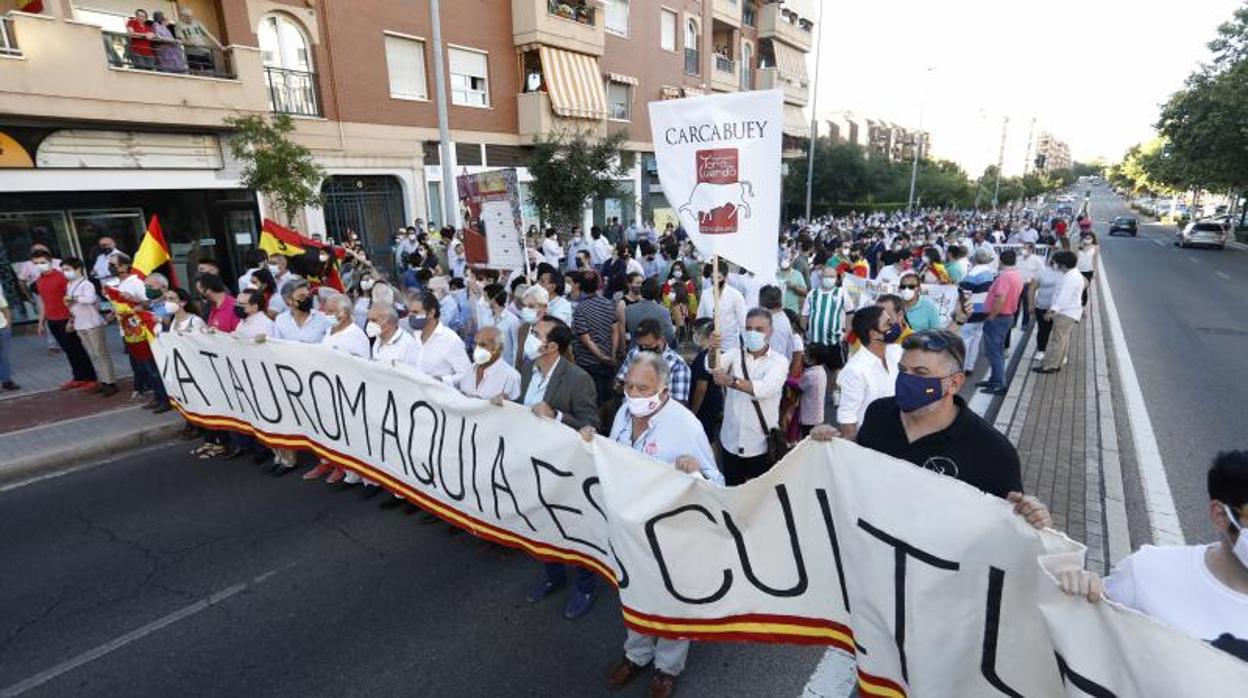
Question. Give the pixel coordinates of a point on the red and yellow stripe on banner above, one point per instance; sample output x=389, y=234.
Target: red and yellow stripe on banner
x=740, y=628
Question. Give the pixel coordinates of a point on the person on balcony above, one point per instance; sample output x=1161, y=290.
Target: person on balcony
x=169, y=55
x=141, y=54
x=200, y=45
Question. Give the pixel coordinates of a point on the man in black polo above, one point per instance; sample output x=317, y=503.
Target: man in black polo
x=926, y=423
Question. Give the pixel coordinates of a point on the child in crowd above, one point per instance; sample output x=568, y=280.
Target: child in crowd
x=814, y=387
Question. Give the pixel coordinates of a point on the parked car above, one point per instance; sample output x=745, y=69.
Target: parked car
x=1124, y=224
x=1204, y=233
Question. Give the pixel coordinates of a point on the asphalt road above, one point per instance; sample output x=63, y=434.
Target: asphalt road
x=1183, y=312
x=158, y=574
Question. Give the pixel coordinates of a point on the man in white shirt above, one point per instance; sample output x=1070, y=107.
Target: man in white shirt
x=750, y=386
x=890, y=272
x=1201, y=590
x=871, y=372
x=390, y=342
x=255, y=323
x=732, y=309
x=301, y=322
x=490, y=377
x=1065, y=311
x=344, y=336
x=100, y=269
x=1030, y=265
x=442, y=354
x=651, y=422
x=497, y=314
x=551, y=251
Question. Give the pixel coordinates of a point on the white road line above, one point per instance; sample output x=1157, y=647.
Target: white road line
x=836, y=675
x=1192, y=259
x=1163, y=520
x=134, y=635
x=1158, y=242
x=1223, y=274
x=981, y=401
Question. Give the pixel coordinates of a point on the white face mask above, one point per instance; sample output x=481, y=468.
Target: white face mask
x=532, y=347
x=367, y=284
x=171, y=307
x=1241, y=542
x=70, y=274
x=828, y=282
x=784, y=264
x=372, y=329
x=907, y=294
x=676, y=273
x=755, y=340
x=644, y=406
x=43, y=266
x=481, y=356
x=528, y=315
x=273, y=269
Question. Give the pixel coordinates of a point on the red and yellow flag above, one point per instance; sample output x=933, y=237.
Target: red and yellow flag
x=278, y=239
x=153, y=252
x=32, y=6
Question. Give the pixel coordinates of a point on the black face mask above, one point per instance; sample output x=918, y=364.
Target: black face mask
x=305, y=305
x=241, y=312
x=113, y=270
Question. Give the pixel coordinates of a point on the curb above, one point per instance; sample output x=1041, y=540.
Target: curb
x=48, y=460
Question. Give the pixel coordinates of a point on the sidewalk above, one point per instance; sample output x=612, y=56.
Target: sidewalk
x=37, y=369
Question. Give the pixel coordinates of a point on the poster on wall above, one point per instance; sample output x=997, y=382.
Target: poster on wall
x=493, y=233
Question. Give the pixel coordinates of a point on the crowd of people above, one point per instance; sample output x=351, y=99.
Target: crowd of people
x=631, y=334
x=159, y=43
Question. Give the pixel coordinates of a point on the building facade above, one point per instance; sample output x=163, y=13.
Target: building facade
x=1051, y=154
x=101, y=128
x=881, y=139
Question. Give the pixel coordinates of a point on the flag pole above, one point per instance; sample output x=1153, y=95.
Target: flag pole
x=713, y=357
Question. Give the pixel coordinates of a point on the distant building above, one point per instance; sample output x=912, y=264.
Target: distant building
x=880, y=138
x=1051, y=154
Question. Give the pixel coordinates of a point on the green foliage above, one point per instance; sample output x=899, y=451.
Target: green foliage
x=571, y=167
x=274, y=165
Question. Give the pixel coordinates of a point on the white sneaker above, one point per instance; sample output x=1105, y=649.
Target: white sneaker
x=1038, y=357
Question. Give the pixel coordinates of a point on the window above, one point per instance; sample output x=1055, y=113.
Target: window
x=405, y=62
x=667, y=30
x=288, y=69
x=283, y=44
x=619, y=100
x=617, y=17
x=469, y=78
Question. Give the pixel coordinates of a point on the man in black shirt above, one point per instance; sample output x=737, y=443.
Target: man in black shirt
x=926, y=423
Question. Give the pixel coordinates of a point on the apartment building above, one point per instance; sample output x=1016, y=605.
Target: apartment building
x=879, y=138
x=1051, y=154
x=100, y=129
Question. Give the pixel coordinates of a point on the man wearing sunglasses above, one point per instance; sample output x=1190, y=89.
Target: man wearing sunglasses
x=1201, y=590
x=928, y=424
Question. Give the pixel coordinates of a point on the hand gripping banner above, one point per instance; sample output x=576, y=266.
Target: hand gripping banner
x=937, y=588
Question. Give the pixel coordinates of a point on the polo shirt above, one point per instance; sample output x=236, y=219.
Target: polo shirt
x=969, y=449
x=864, y=380
x=53, y=287
x=594, y=316
x=670, y=433
x=1008, y=287
x=923, y=315
x=312, y=331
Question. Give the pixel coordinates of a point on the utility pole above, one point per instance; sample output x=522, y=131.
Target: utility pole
x=450, y=193
x=1031, y=135
x=914, y=165
x=814, y=118
x=996, y=192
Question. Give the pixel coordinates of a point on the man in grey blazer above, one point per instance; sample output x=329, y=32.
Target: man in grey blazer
x=553, y=386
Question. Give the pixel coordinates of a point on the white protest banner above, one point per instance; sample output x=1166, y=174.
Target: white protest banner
x=863, y=292
x=934, y=585
x=719, y=162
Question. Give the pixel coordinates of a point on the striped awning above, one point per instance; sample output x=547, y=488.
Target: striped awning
x=620, y=77
x=791, y=62
x=574, y=84
x=795, y=122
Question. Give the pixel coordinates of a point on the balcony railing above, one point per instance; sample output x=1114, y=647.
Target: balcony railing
x=576, y=11
x=164, y=56
x=292, y=91
x=724, y=64
x=8, y=40
x=693, y=62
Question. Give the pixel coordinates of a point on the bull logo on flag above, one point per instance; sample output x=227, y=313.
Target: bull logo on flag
x=719, y=196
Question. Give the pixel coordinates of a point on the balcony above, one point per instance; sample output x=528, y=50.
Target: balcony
x=575, y=25
x=693, y=62
x=727, y=11
x=292, y=92
x=794, y=93
x=124, y=51
x=536, y=118
x=72, y=70
x=777, y=23
x=724, y=76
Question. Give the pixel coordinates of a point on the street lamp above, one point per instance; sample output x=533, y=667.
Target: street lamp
x=914, y=165
x=814, y=118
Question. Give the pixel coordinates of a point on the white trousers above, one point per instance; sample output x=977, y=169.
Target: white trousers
x=668, y=655
x=972, y=333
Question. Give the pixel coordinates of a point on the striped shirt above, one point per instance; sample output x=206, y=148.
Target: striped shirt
x=594, y=316
x=826, y=313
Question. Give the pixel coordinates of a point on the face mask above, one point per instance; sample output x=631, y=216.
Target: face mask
x=1241, y=543
x=894, y=331
x=532, y=347
x=171, y=307
x=828, y=283
x=914, y=392
x=785, y=264
x=676, y=273
x=43, y=266
x=907, y=294
x=1026, y=254
x=755, y=340
x=153, y=293
x=305, y=305
x=240, y=312
x=372, y=329
x=417, y=322
x=644, y=406
x=367, y=284
x=324, y=258
x=70, y=274
x=481, y=356
x=528, y=315
x=273, y=269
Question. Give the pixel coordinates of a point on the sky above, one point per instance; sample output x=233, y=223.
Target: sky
x=1091, y=72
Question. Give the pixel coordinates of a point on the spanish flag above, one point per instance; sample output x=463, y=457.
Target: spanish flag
x=31, y=6
x=278, y=239
x=153, y=252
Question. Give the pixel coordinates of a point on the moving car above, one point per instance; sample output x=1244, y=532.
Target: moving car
x=1205, y=233
x=1124, y=224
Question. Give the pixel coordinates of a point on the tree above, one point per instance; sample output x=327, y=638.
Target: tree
x=274, y=165
x=571, y=167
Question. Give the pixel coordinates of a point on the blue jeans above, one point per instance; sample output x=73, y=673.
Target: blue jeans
x=6, y=369
x=149, y=372
x=557, y=573
x=995, y=332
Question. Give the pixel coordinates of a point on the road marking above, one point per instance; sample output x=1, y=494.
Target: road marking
x=1163, y=520
x=1192, y=259
x=1158, y=242
x=981, y=401
x=133, y=636
x=836, y=675
x=1224, y=275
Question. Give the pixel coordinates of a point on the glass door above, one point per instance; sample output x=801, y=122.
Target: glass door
x=124, y=225
x=18, y=231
